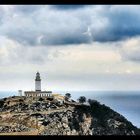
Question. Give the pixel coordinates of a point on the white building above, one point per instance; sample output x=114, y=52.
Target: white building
x=38, y=92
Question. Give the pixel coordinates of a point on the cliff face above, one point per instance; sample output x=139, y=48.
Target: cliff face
x=83, y=120
x=50, y=117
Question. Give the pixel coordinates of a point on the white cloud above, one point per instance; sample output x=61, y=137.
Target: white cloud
x=94, y=47
x=95, y=66
x=131, y=49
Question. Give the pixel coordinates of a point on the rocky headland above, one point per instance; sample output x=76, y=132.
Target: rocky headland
x=48, y=116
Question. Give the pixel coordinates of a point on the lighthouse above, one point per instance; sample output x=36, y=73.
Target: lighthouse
x=37, y=82
x=38, y=92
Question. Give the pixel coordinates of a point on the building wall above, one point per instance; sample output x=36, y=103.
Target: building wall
x=37, y=85
x=38, y=94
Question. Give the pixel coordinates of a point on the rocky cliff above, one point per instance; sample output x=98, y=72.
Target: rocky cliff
x=51, y=117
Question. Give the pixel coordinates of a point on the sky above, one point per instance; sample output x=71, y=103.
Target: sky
x=74, y=47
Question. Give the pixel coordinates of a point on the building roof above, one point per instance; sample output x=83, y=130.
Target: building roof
x=37, y=91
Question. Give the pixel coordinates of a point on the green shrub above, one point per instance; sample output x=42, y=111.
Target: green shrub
x=67, y=96
x=82, y=99
x=1, y=103
x=41, y=99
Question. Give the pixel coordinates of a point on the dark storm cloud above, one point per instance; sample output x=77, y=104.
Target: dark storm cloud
x=63, y=24
x=122, y=23
x=23, y=36
x=67, y=39
x=68, y=7
x=27, y=9
x=29, y=36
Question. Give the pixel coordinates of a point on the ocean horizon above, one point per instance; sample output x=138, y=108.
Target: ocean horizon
x=127, y=103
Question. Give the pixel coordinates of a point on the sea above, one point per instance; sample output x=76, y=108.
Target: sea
x=127, y=103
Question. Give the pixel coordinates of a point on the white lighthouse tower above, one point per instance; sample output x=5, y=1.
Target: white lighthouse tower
x=38, y=92
x=37, y=82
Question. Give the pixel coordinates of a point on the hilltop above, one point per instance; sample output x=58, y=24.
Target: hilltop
x=48, y=116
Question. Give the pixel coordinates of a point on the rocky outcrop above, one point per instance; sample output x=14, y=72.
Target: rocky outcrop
x=83, y=121
x=13, y=128
x=67, y=118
